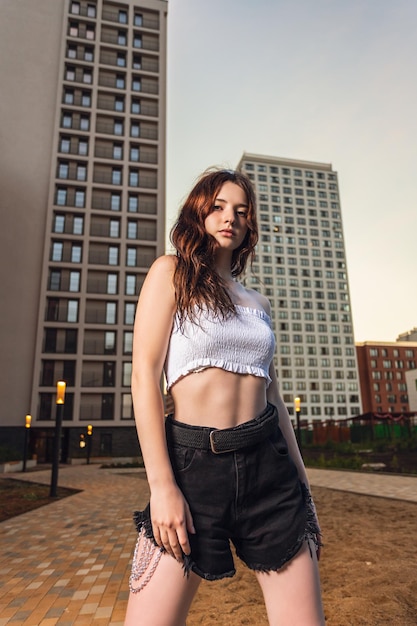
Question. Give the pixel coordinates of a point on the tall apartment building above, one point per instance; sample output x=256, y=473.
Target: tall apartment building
x=382, y=372
x=301, y=267
x=83, y=205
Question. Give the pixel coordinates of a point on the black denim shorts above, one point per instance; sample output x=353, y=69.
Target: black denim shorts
x=251, y=497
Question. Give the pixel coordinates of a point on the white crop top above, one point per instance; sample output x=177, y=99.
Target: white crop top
x=243, y=343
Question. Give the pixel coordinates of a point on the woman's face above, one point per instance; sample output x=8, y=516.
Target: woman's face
x=227, y=222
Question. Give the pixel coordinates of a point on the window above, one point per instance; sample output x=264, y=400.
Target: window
x=76, y=253
x=84, y=122
x=116, y=176
x=70, y=73
x=132, y=230
x=74, y=281
x=113, y=257
x=83, y=147
x=134, y=178
x=81, y=172
x=110, y=312
x=123, y=17
x=121, y=59
x=114, y=228
x=63, y=170
x=130, y=288
x=80, y=198
x=120, y=81
x=65, y=145
x=134, y=153
x=127, y=407
x=117, y=151
x=59, y=224
x=87, y=77
x=75, y=8
x=61, y=197
x=137, y=41
x=78, y=225
x=109, y=341
x=112, y=283
x=57, y=248
x=69, y=96
x=133, y=204
x=89, y=54
x=72, y=311
x=115, y=203
x=136, y=62
x=135, y=129
x=86, y=99
x=119, y=104
x=129, y=312
x=127, y=342
x=138, y=21
x=121, y=38
x=136, y=84
x=127, y=374
x=91, y=10
x=135, y=107
x=55, y=280
x=118, y=128
x=131, y=257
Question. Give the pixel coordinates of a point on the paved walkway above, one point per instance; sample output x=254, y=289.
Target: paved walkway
x=67, y=563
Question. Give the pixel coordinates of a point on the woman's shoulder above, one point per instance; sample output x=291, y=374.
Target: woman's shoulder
x=159, y=278
x=260, y=300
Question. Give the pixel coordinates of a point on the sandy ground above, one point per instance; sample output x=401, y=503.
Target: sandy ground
x=368, y=568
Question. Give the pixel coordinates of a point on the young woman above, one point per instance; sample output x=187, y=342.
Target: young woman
x=225, y=466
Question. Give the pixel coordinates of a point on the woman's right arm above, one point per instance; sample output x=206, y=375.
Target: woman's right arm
x=170, y=514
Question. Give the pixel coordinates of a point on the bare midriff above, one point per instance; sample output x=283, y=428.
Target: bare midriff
x=217, y=398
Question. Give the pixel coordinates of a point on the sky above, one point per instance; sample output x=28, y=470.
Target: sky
x=332, y=81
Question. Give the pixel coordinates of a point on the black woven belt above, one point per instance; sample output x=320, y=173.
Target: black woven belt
x=224, y=440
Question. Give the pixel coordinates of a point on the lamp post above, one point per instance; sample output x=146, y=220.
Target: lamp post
x=28, y=420
x=89, y=441
x=297, y=405
x=60, y=401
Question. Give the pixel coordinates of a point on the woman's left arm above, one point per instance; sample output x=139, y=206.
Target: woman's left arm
x=274, y=397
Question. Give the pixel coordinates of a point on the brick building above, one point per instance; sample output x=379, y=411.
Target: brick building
x=382, y=374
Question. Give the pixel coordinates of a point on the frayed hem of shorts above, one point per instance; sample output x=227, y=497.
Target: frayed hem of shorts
x=190, y=565
x=311, y=535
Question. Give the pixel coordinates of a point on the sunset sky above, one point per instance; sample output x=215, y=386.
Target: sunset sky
x=330, y=81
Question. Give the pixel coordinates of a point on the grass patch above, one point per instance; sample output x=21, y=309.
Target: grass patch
x=20, y=496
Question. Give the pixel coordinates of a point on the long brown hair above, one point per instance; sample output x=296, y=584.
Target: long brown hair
x=196, y=282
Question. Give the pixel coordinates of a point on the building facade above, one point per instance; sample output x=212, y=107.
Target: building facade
x=83, y=195
x=382, y=372
x=410, y=335
x=411, y=380
x=301, y=267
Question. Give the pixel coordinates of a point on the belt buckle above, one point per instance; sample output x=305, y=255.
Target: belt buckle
x=213, y=444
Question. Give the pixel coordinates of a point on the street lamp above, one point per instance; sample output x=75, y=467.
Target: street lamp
x=89, y=441
x=297, y=405
x=60, y=401
x=28, y=420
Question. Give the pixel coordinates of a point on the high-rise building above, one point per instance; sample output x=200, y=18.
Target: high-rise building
x=83, y=205
x=301, y=267
x=382, y=372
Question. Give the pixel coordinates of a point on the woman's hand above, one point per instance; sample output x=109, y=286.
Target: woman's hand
x=171, y=520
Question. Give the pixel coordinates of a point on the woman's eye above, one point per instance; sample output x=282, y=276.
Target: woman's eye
x=242, y=213
x=217, y=207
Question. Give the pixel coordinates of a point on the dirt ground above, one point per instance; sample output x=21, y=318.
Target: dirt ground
x=368, y=568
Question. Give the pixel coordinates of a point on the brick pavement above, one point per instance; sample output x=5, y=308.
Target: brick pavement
x=68, y=563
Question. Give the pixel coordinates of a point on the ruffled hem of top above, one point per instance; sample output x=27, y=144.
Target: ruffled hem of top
x=258, y=312
x=202, y=364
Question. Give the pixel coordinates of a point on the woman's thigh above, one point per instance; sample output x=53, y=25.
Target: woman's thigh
x=292, y=594
x=166, y=599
